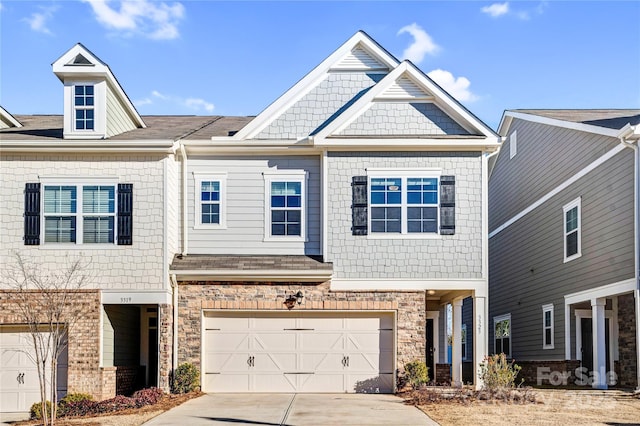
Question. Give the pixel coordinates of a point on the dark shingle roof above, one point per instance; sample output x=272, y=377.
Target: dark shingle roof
x=608, y=118
x=172, y=127
x=197, y=262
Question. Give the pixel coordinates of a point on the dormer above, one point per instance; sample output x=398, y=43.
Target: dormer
x=95, y=105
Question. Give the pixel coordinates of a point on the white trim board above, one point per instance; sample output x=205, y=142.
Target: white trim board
x=608, y=290
x=510, y=115
x=564, y=185
x=479, y=286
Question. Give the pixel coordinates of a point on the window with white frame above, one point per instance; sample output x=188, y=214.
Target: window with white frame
x=463, y=337
x=513, y=144
x=502, y=334
x=403, y=202
x=79, y=214
x=83, y=105
x=210, y=200
x=285, y=206
x=547, y=327
x=572, y=230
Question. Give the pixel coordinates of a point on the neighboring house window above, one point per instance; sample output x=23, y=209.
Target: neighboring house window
x=463, y=337
x=572, y=230
x=210, y=200
x=502, y=334
x=513, y=144
x=547, y=327
x=285, y=213
x=84, y=107
x=403, y=202
x=80, y=214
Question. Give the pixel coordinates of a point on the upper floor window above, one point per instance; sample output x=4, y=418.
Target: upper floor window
x=210, y=203
x=513, y=144
x=285, y=214
x=502, y=334
x=547, y=327
x=84, y=107
x=572, y=226
x=81, y=214
x=403, y=204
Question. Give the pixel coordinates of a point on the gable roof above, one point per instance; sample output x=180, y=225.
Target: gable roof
x=359, y=53
x=8, y=120
x=81, y=62
x=607, y=122
x=407, y=83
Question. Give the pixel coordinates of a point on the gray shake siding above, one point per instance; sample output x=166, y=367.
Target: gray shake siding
x=526, y=259
x=546, y=157
x=392, y=118
x=307, y=114
x=445, y=257
x=245, y=231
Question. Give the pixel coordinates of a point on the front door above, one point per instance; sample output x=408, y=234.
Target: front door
x=586, y=332
x=430, y=349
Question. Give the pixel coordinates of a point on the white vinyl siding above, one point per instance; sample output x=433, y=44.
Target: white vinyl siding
x=547, y=327
x=572, y=230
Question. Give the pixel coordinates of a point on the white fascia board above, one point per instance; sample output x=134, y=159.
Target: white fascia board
x=480, y=286
x=505, y=123
x=488, y=144
x=608, y=290
x=563, y=123
x=160, y=146
x=253, y=275
x=8, y=118
x=309, y=81
x=442, y=100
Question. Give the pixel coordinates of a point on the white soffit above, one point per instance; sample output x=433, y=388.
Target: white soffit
x=359, y=53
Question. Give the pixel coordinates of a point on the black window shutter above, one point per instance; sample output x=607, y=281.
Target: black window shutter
x=125, y=214
x=359, y=205
x=447, y=205
x=32, y=214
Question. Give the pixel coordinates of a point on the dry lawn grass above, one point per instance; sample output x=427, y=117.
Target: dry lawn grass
x=553, y=407
x=131, y=417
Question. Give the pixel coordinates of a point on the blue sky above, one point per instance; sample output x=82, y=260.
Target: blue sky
x=235, y=58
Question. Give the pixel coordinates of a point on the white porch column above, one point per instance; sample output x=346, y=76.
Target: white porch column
x=599, y=346
x=480, y=337
x=456, y=344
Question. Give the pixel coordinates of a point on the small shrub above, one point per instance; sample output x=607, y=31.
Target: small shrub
x=417, y=373
x=499, y=374
x=186, y=378
x=35, y=413
x=148, y=396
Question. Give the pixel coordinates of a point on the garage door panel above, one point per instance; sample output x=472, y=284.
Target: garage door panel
x=275, y=382
x=226, y=362
x=366, y=324
x=367, y=362
x=274, y=324
x=233, y=323
x=318, y=322
x=275, y=362
x=311, y=340
x=367, y=383
x=228, y=341
x=362, y=341
x=274, y=341
x=321, y=362
x=322, y=382
x=227, y=382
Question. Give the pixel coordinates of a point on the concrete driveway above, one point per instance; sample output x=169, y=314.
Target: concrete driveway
x=293, y=409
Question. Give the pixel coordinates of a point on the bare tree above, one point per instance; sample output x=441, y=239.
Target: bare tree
x=45, y=303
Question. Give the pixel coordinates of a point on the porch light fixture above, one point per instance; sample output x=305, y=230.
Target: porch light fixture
x=292, y=299
x=431, y=292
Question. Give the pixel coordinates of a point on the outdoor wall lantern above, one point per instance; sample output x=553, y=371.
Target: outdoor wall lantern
x=291, y=300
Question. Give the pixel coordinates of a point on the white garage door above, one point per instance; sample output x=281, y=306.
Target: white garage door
x=19, y=384
x=298, y=352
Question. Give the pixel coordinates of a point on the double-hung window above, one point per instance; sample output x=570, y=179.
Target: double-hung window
x=210, y=200
x=84, y=112
x=403, y=202
x=547, y=327
x=79, y=214
x=285, y=206
x=502, y=334
x=572, y=230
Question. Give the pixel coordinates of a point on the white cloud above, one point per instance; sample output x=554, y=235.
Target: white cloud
x=456, y=87
x=38, y=20
x=422, y=43
x=496, y=9
x=194, y=104
x=155, y=20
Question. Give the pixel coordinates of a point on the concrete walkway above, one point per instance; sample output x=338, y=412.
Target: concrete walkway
x=293, y=410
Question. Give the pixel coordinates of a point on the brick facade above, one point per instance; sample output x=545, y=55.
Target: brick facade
x=165, y=335
x=84, y=372
x=196, y=296
x=627, y=372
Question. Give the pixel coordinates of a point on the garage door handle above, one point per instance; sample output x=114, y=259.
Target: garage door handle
x=251, y=361
x=345, y=361
x=20, y=378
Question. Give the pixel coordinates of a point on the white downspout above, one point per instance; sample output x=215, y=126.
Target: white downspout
x=185, y=239
x=174, y=286
x=627, y=131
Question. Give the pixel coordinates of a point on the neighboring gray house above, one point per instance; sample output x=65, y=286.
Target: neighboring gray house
x=563, y=246
x=312, y=248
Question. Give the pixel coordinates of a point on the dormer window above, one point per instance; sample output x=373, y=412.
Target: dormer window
x=84, y=107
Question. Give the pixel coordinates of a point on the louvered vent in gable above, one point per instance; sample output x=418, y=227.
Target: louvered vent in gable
x=405, y=88
x=79, y=59
x=359, y=59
